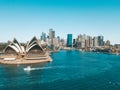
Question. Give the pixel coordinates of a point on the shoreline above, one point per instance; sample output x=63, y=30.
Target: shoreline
x=23, y=61
x=92, y=51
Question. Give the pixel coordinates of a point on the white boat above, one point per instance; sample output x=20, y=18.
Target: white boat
x=28, y=68
x=117, y=53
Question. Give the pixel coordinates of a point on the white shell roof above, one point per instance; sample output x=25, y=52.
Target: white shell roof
x=20, y=49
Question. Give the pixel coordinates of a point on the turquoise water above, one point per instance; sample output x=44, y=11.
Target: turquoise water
x=69, y=70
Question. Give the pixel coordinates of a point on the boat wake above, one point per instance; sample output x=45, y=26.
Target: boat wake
x=28, y=68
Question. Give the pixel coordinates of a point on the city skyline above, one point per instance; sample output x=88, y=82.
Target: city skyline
x=28, y=18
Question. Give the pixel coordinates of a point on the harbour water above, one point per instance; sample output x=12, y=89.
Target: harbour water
x=70, y=70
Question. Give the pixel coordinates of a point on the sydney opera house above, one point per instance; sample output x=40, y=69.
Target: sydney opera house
x=31, y=52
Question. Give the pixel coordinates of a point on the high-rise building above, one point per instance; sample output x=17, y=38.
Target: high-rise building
x=87, y=42
x=100, y=41
x=95, y=41
x=62, y=42
x=69, y=40
x=107, y=43
x=58, y=37
x=90, y=42
x=51, y=34
x=74, y=41
x=43, y=36
x=56, y=42
x=79, y=40
x=83, y=41
x=48, y=41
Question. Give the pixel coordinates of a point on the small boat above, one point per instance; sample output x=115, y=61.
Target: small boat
x=117, y=53
x=28, y=68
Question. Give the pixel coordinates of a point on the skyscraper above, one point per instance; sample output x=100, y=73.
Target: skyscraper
x=95, y=41
x=87, y=42
x=58, y=37
x=43, y=36
x=69, y=40
x=83, y=41
x=79, y=41
x=55, y=42
x=51, y=34
x=51, y=38
x=90, y=42
x=63, y=43
x=100, y=41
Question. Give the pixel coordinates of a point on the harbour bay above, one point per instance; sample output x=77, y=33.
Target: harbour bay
x=70, y=69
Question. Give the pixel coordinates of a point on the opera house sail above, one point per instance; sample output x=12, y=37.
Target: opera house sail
x=14, y=49
x=34, y=50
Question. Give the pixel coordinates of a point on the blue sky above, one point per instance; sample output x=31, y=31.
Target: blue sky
x=24, y=19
